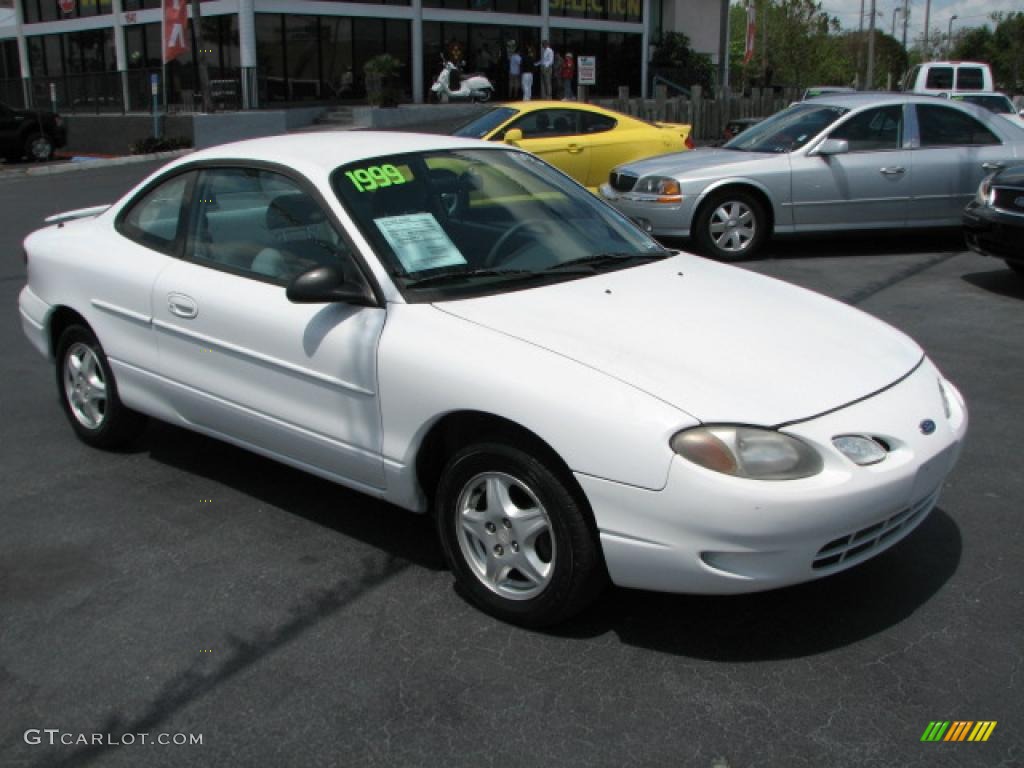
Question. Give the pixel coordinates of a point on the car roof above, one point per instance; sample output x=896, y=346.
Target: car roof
x=326, y=150
x=865, y=98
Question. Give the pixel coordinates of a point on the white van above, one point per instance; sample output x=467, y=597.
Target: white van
x=941, y=77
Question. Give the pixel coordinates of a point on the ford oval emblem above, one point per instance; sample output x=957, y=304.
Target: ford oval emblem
x=1019, y=202
x=927, y=427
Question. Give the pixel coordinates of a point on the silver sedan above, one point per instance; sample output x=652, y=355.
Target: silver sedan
x=836, y=163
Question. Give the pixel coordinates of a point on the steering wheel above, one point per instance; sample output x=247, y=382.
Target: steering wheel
x=538, y=225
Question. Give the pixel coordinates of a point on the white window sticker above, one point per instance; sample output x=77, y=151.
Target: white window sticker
x=419, y=242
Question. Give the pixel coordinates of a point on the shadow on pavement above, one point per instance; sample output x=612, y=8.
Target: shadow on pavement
x=394, y=531
x=787, y=623
x=1004, y=282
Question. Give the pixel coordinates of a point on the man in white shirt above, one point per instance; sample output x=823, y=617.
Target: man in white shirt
x=547, y=63
x=515, y=62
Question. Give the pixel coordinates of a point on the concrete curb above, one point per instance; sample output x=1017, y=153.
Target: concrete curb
x=100, y=162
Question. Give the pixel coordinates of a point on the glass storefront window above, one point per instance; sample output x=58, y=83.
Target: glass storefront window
x=485, y=49
x=502, y=6
x=305, y=58
x=611, y=10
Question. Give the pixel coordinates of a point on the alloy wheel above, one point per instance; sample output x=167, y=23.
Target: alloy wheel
x=732, y=226
x=84, y=386
x=505, y=535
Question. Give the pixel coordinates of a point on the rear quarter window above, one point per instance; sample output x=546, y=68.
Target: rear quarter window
x=939, y=77
x=969, y=79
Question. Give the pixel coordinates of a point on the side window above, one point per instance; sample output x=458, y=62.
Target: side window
x=153, y=220
x=969, y=79
x=595, y=123
x=910, y=81
x=873, y=130
x=547, y=122
x=262, y=224
x=939, y=77
x=945, y=126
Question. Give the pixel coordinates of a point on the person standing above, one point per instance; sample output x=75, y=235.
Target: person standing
x=567, y=74
x=515, y=71
x=529, y=66
x=547, y=63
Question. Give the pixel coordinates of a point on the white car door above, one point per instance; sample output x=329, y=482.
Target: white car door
x=867, y=187
x=956, y=151
x=140, y=243
x=295, y=381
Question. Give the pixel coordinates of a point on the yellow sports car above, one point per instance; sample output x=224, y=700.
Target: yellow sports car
x=582, y=140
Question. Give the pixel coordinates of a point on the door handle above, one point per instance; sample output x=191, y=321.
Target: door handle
x=181, y=305
x=894, y=170
x=990, y=167
x=574, y=149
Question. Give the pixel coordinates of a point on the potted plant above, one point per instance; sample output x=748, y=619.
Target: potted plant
x=381, y=72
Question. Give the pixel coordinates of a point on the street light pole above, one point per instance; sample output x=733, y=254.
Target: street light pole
x=892, y=32
x=926, y=54
x=870, y=79
x=906, y=18
x=949, y=35
x=860, y=46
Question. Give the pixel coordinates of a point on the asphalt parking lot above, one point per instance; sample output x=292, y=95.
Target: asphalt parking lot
x=188, y=587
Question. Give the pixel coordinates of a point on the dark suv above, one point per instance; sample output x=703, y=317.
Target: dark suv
x=30, y=133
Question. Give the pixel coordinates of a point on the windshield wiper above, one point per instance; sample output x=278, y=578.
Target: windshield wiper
x=608, y=258
x=454, y=277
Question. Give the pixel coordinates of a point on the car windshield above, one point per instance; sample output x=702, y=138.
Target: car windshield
x=789, y=130
x=456, y=223
x=480, y=126
x=995, y=103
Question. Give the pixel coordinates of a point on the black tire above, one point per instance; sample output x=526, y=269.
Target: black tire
x=711, y=214
x=1016, y=266
x=116, y=425
x=575, y=568
x=12, y=157
x=38, y=147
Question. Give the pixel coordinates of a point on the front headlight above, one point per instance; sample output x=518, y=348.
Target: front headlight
x=756, y=454
x=666, y=188
x=986, y=195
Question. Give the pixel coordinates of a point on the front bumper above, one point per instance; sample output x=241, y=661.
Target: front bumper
x=710, y=533
x=994, y=233
x=659, y=219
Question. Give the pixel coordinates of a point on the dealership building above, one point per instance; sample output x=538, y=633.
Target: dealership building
x=103, y=55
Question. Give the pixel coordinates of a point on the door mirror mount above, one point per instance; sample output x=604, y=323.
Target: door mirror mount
x=321, y=285
x=830, y=147
x=513, y=136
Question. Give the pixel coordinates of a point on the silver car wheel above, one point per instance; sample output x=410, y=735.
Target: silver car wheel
x=84, y=386
x=732, y=226
x=40, y=148
x=505, y=535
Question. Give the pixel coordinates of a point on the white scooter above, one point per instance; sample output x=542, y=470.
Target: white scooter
x=474, y=87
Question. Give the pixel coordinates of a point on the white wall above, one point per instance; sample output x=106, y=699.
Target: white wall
x=698, y=19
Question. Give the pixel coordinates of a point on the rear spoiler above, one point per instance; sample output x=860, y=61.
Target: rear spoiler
x=80, y=213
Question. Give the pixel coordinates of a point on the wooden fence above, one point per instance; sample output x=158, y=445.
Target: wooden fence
x=707, y=116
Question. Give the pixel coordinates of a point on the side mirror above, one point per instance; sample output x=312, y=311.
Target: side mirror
x=321, y=285
x=833, y=147
x=513, y=136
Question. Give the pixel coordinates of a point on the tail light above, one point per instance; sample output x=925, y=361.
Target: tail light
x=689, y=142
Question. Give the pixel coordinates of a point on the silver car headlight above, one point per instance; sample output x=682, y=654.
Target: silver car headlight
x=986, y=195
x=666, y=188
x=756, y=454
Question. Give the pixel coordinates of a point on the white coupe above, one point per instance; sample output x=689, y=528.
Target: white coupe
x=459, y=329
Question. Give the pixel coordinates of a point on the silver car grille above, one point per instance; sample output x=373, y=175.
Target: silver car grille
x=866, y=539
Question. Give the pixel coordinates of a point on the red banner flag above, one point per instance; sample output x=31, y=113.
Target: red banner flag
x=748, y=50
x=175, y=18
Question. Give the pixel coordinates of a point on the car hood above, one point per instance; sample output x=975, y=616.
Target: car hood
x=680, y=163
x=718, y=342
